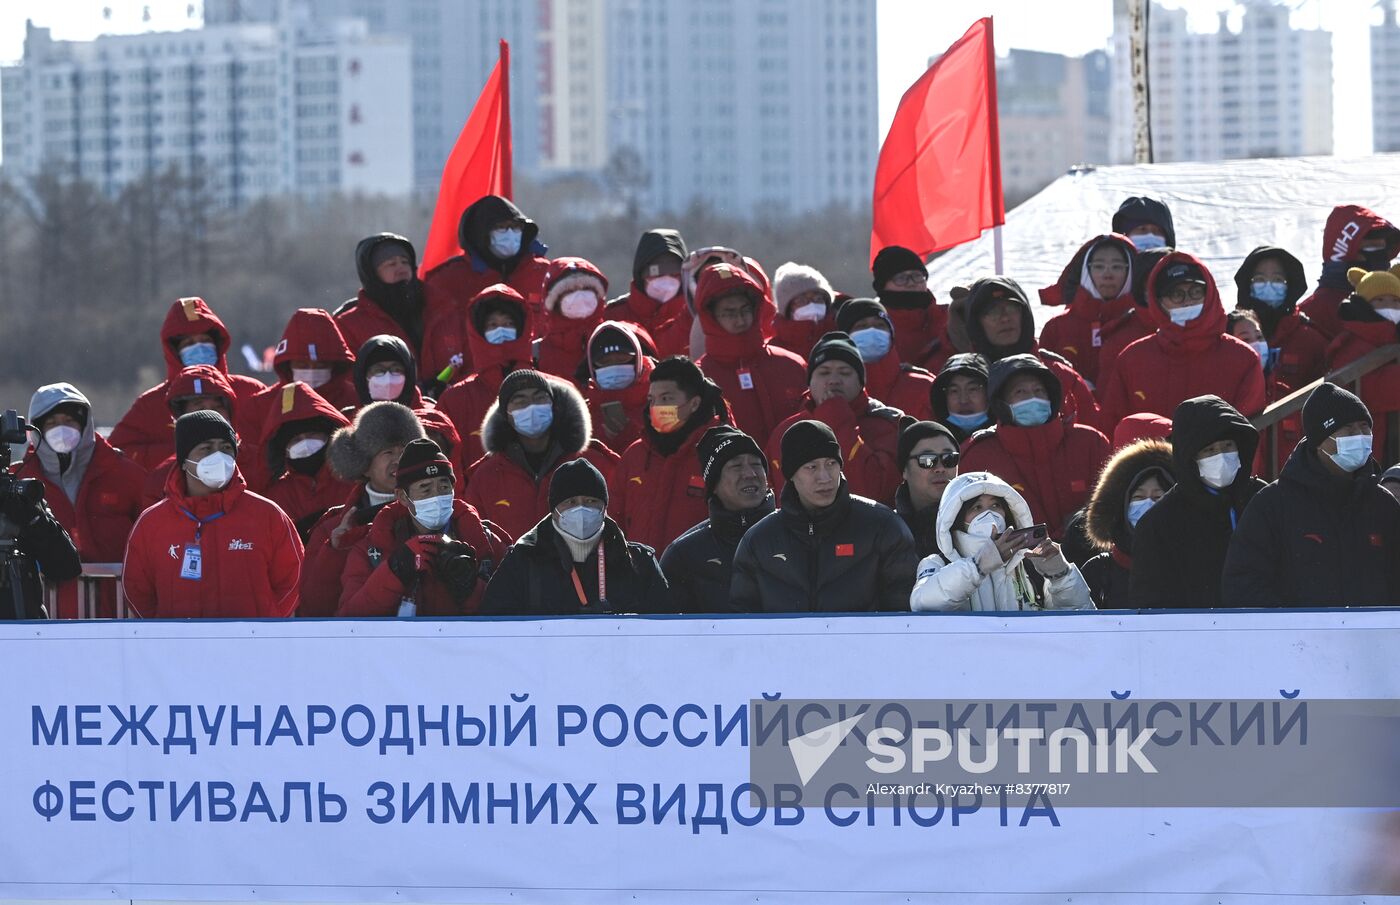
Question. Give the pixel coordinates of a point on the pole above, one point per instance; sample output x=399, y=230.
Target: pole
x=996, y=250
x=1142, y=95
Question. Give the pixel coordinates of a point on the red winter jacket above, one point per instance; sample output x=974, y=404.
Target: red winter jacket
x=456, y=281
x=303, y=497
x=311, y=335
x=667, y=323
x=1362, y=333
x=370, y=588
x=205, y=380
x=326, y=555
x=361, y=318
x=1177, y=363
x=1082, y=333
x=920, y=335
x=632, y=398
x=100, y=519
x=1341, y=250
x=868, y=432
x=763, y=383
x=564, y=340
x=903, y=386
x=1054, y=466
x=251, y=556
x=798, y=337
x=654, y=497
x=466, y=401
x=501, y=485
x=146, y=433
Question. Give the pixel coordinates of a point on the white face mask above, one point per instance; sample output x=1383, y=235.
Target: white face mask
x=1261, y=349
x=305, y=449
x=578, y=305
x=986, y=523
x=663, y=289
x=63, y=438
x=1390, y=314
x=1183, y=316
x=312, y=377
x=433, y=512
x=385, y=386
x=215, y=470
x=812, y=311
x=1219, y=470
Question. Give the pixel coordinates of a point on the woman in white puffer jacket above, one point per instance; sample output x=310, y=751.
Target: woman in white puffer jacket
x=986, y=570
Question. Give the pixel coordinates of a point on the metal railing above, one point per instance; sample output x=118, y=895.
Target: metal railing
x=98, y=580
x=1348, y=376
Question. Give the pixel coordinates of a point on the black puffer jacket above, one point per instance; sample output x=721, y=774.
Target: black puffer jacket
x=1179, y=545
x=1312, y=539
x=922, y=524
x=700, y=563
x=1106, y=518
x=856, y=556
x=534, y=578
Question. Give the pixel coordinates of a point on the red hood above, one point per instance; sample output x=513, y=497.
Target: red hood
x=298, y=402
x=563, y=276
x=205, y=505
x=434, y=420
x=644, y=350
x=1341, y=238
x=311, y=335
x=202, y=380
x=1068, y=289
x=723, y=279
x=485, y=355
x=188, y=317
x=1207, y=326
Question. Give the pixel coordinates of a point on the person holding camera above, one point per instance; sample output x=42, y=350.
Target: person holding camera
x=211, y=548
x=32, y=542
x=427, y=553
x=988, y=531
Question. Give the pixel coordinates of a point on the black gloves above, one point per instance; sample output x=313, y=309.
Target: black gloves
x=457, y=568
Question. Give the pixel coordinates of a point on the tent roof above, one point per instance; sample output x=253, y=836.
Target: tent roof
x=1221, y=211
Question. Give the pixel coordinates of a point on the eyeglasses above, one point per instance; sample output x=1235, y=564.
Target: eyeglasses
x=909, y=280
x=1193, y=291
x=933, y=460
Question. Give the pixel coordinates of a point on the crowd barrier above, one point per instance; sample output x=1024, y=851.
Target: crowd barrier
x=98, y=580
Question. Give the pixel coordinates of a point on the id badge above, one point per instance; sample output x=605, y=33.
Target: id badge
x=192, y=566
x=746, y=379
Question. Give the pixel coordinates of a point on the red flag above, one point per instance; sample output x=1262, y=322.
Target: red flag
x=478, y=165
x=938, y=182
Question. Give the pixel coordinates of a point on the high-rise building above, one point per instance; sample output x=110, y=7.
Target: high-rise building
x=1053, y=113
x=251, y=109
x=1385, y=79
x=1264, y=91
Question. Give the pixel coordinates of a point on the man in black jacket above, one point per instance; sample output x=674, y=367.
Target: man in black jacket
x=1179, y=545
x=699, y=564
x=825, y=550
x=1325, y=533
x=576, y=562
x=928, y=458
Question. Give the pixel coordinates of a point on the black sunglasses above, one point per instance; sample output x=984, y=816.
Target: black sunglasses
x=931, y=460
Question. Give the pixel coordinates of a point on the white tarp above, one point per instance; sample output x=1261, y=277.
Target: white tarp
x=1221, y=210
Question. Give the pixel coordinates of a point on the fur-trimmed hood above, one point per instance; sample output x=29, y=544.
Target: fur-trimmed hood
x=571, y=430
x=1106, y=515
x=377, y=427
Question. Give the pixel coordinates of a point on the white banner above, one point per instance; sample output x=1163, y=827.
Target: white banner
x=605, y=760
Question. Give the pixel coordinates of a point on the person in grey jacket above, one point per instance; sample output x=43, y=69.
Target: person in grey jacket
x=826, y=549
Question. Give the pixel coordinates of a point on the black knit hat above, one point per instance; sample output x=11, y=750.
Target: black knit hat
x=422, y=459
x=1328, y=409
x=577, y=477
x=194, y=428
x=720, y=444
x=522, y=379
x=891, y=260
x=686, y=374
x=835, y=346
x=912, y=435
x=805, y=441
x=857, y=310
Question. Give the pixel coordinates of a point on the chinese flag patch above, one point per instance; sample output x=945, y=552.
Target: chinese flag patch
x=1376, y=541
x=845, y=549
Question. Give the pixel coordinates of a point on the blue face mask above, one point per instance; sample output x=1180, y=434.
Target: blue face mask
x=967, y=422
x=498, y=335
x=533, y=420
x=199, y=354
x=1136, y=509
x=872, y=342
x=1271, y=293
x=581, y=522
x=505, y=243
x=1030, y=412
x=1148, y=241
x=615, y=377
x=1352, y=452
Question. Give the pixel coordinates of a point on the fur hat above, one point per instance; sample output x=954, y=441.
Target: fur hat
x=1372, y=284
x=377, y=427
x=566, y=275
x=791, y=280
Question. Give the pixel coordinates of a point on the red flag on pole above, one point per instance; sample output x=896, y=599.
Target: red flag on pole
x=938, y=182
x=478, y=165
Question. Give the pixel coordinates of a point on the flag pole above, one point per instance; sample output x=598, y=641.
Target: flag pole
x=506, y=152
x=996, y=250
x=994, y=130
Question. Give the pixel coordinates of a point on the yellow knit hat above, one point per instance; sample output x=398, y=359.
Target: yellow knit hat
x=1372, y=284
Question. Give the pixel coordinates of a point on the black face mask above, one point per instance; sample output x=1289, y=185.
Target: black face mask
x=906, y=299
x=1375, y=260
x=310, y=465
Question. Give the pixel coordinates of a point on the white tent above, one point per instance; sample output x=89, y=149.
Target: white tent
x=1221, y=211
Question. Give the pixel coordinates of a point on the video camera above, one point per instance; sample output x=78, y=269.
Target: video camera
x=14, y=430
x=17, y=495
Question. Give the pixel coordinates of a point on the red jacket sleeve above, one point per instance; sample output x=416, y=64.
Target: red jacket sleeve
x=323, y=566
x=138, y=582
x=1251, y=396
